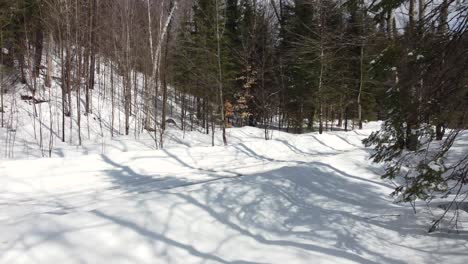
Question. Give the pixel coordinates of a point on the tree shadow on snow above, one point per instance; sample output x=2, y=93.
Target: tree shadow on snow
x=318, y=206
x=309, y=207
x=311, y=201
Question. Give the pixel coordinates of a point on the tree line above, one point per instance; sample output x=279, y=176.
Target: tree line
x=287, y=64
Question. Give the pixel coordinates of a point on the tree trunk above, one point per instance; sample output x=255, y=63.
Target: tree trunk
x=444, y=17
x=38, y=49
x=346, y=118
x=220, y=75
x=2, y=109
x=321, y=73
x=411, y=16
x=20, y=55
x=390, y=20
x=421, y=14
x=112, y=98
x=164, y=85
x=440, y=131
x=78, y=103
x=212, y=129
x=48, y=79
x=361, y=83
x=63, y=88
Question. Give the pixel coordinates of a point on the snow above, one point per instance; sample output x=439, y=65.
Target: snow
x=306, y=198
x=294, y=199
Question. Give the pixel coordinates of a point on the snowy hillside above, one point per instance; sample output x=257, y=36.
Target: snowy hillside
x=32, y=130
x=295, y=199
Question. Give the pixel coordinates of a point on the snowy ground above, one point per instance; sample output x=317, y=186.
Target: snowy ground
x=295, y=199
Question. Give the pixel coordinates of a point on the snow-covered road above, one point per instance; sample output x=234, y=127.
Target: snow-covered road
x=295, y=199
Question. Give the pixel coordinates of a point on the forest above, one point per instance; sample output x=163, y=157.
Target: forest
x=77, y=74
x=288, y=64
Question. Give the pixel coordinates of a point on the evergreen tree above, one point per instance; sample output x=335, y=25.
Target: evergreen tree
x=421, y=90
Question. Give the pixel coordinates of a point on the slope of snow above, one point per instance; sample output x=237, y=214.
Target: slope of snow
x=32, y=130
x=295, y=199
